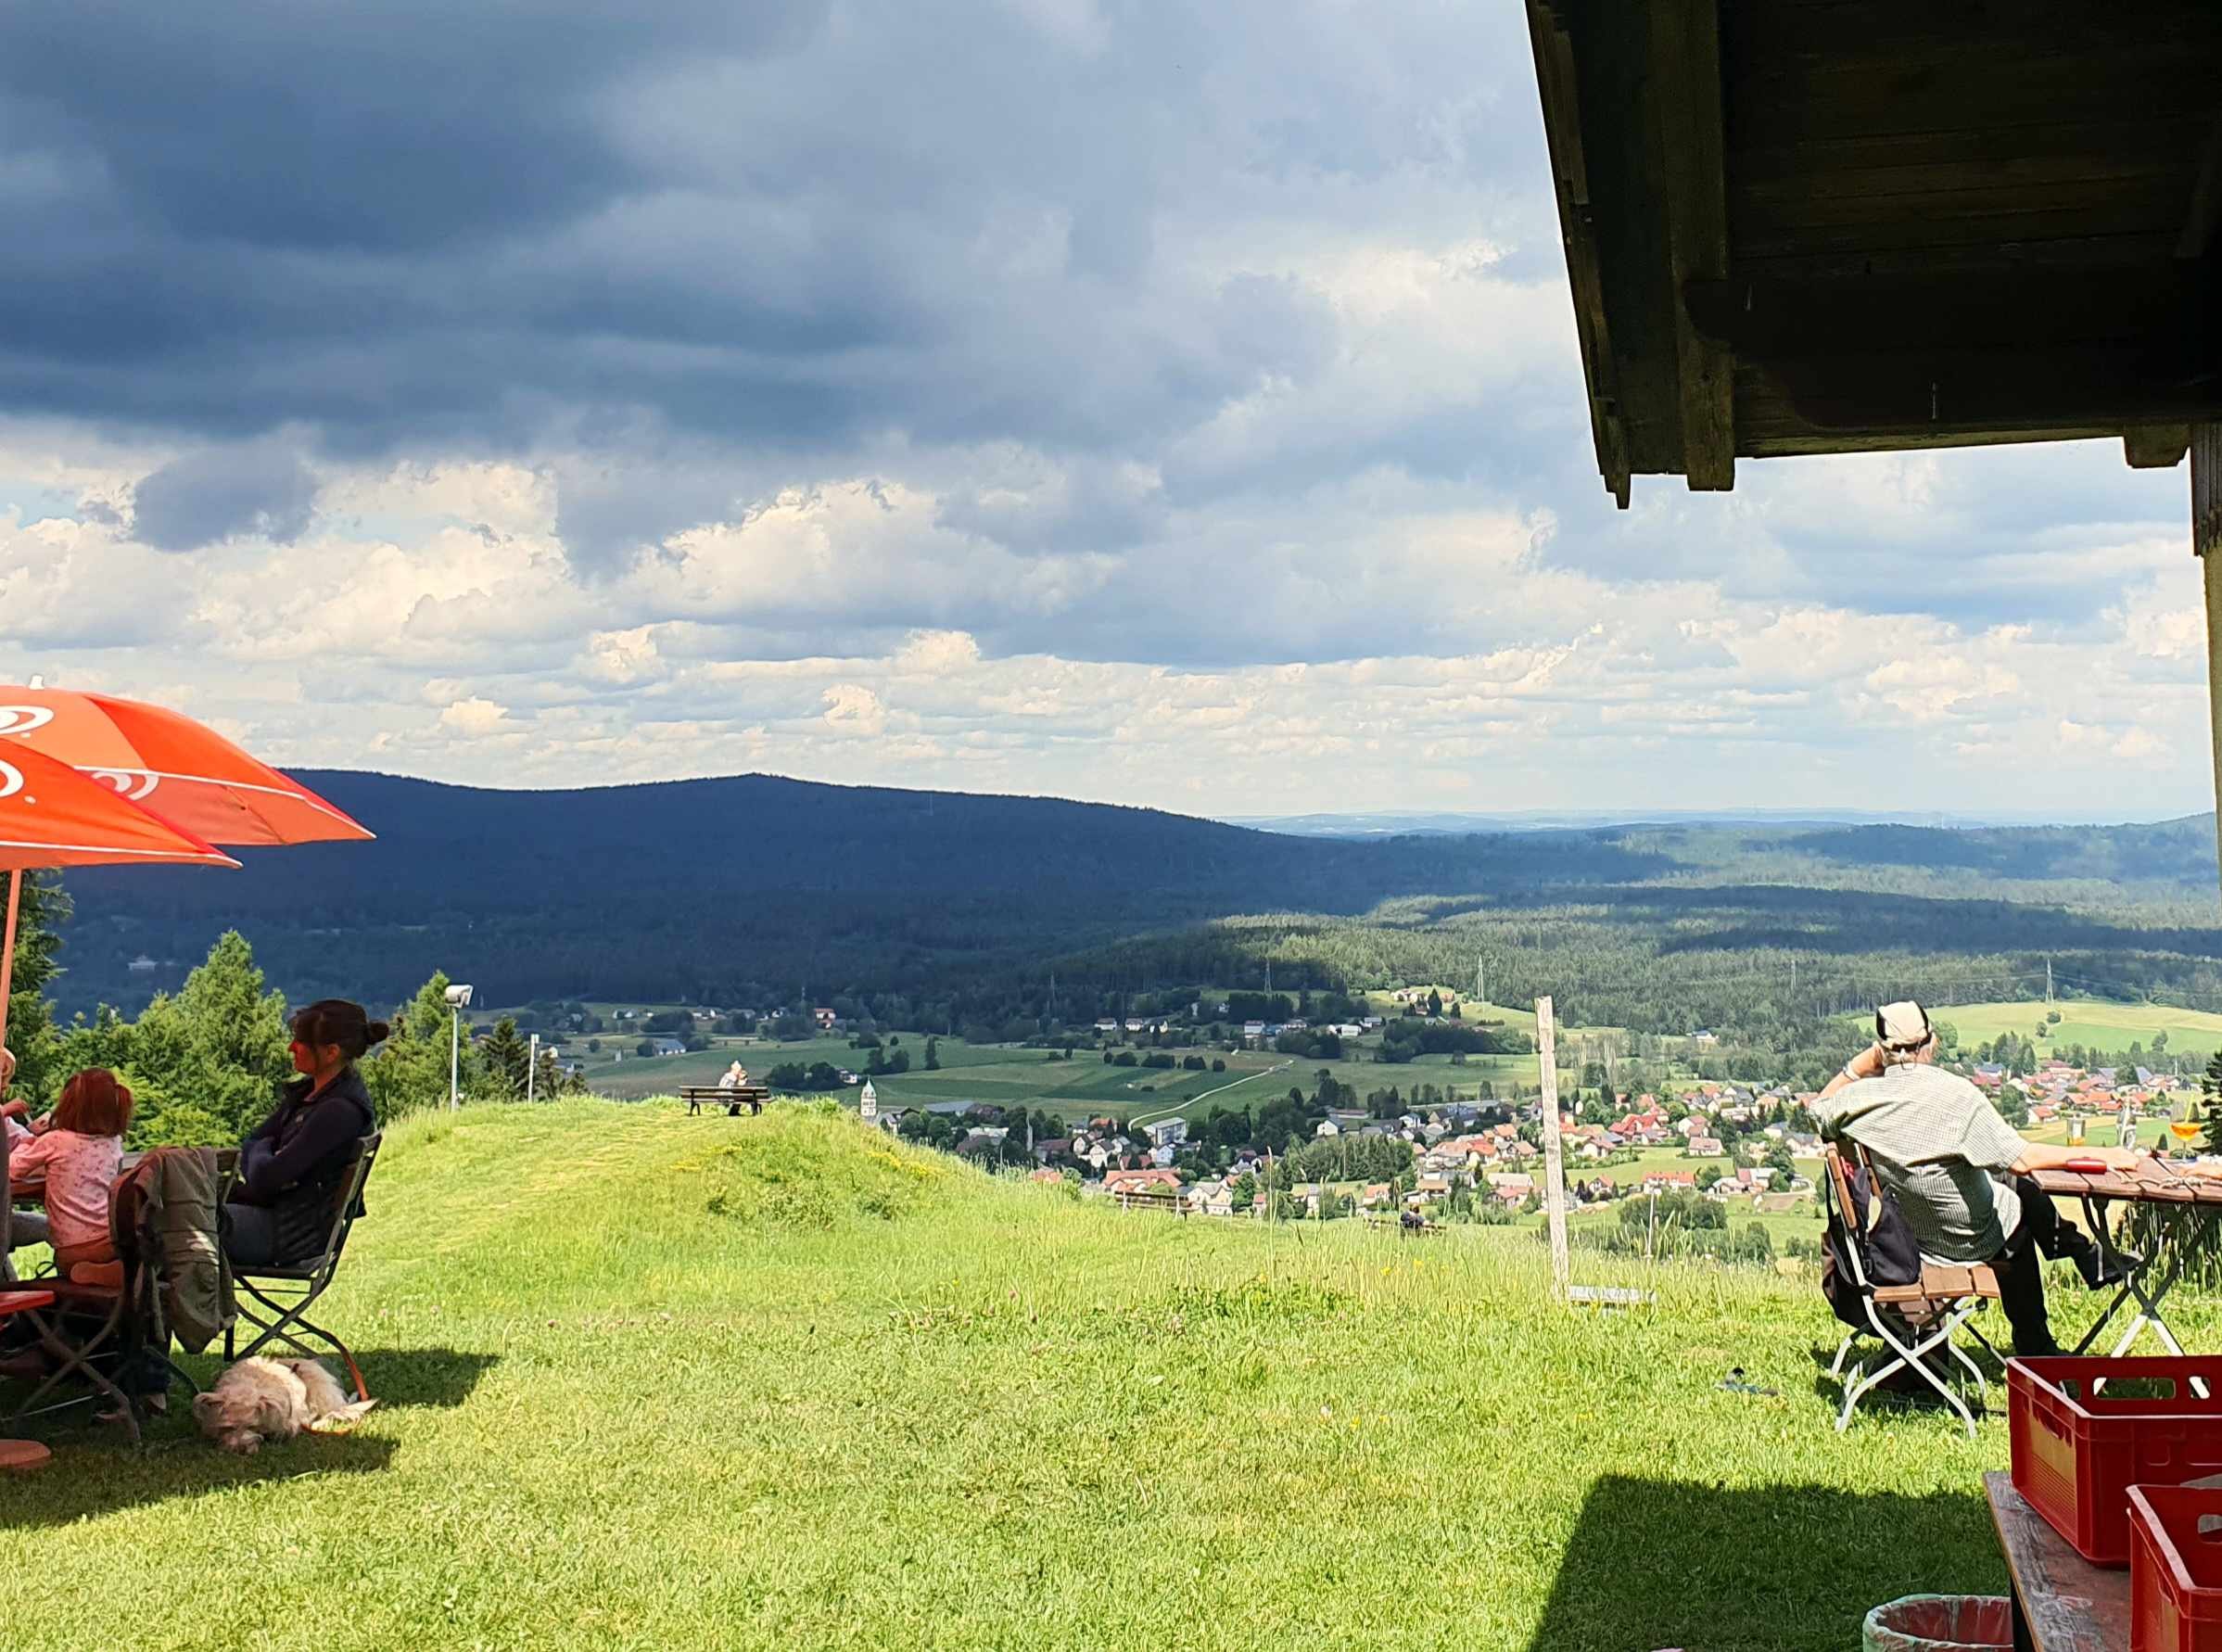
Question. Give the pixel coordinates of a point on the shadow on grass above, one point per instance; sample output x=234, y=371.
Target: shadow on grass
x=408, y=1377
x=1768, y=1568
x=94, y=1473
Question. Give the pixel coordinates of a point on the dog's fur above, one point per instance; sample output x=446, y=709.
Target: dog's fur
x=274, y=1399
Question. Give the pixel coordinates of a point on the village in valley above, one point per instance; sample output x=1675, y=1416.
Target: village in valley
x=1465, y=1154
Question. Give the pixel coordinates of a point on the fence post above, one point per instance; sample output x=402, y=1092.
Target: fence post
x=1555, y=1192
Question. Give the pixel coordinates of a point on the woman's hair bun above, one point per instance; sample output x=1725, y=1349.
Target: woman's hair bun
x=377, y=1033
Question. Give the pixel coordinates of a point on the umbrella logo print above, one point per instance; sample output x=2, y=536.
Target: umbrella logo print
x=11, y=781
x=24, y=719
x=136, y=787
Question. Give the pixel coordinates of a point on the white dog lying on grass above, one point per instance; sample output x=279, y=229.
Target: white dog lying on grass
x=274, y=1399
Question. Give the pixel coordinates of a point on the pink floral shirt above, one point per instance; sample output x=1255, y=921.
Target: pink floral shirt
x=79, y=1170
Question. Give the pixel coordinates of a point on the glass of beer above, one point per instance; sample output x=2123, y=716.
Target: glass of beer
x=2186, y=1129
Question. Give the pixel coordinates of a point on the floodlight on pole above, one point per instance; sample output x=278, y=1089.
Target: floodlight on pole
x=459, y=999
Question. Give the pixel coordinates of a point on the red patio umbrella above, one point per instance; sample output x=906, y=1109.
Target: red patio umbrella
x=179, y=770
x=53, y=815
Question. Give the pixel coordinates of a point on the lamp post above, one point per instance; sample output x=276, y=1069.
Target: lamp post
x=532, y=1066
x=459, y=999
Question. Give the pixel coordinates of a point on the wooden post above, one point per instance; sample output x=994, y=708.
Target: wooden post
x=2206, y=539
x=7, y=947
x=1554, y=1190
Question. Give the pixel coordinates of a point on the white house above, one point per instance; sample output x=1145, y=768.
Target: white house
x=1167, y=1133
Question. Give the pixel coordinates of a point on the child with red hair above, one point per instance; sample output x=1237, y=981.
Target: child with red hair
x=80, y=1154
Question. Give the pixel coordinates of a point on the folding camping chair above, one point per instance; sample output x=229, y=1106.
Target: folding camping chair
x=96, y=1327
x=1909, y=1321
x=285, y=1293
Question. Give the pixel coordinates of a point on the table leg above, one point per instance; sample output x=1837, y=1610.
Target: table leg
x=2023, y=1640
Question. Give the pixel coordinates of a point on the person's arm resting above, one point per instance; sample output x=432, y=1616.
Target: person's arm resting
x=270, y=1171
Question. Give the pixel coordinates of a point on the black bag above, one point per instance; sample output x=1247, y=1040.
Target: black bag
x=1886, y=1243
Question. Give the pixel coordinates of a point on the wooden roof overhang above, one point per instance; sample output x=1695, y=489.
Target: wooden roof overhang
x=1826, y=226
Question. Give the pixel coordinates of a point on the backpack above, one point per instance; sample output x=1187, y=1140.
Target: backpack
x=1886, y=1242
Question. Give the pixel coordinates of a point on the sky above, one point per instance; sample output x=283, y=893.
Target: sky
x=1142, y=402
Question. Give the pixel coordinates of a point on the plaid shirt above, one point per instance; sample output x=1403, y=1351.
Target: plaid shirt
x=1941, y=1146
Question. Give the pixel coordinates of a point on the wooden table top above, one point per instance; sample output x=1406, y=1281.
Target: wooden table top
x=2070, y=1605
x=2151, y=1183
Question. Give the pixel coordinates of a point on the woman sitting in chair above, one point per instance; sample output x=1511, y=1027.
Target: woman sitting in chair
x=291, y=1168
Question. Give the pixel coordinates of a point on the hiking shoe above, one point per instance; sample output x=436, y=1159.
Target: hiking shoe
x=2109, y=1267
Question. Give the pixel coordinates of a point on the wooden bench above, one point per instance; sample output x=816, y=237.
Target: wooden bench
x=751, y=1096
x=2062, y=1603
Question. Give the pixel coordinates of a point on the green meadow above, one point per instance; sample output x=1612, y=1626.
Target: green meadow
x=650, y=1381
x=2095, y=1025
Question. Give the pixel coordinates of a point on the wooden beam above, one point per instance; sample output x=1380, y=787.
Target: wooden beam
x=2155, y=447
x=1556, y=82
x=1685, y=58
x=2206, y=544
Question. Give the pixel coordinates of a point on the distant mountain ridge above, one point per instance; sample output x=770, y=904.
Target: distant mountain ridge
x=756, y=886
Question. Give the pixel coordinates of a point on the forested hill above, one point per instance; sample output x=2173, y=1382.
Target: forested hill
x=761, y=887
x=705, y=887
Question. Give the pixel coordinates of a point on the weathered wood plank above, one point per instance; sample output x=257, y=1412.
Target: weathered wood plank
x=1981, y=225
x=1556, y=79
x=1685, y=55
x=2140, y=253
x=2069, y=1604
x=1871, y=164
x=2159, y=190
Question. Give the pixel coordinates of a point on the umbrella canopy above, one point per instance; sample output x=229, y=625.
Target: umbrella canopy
x=52, y=815
x=174, y=768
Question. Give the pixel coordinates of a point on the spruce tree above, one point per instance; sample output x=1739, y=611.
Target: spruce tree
x=31, y=1031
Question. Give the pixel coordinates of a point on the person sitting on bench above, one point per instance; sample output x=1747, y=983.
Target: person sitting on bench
x=1959, y=1173
x=291, y=1168
x=734, y=1077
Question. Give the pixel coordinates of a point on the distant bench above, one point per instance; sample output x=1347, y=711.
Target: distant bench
x=751, y=1096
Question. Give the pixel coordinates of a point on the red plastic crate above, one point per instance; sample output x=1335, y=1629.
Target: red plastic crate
x=2077, y=1452
x=2175, y=1569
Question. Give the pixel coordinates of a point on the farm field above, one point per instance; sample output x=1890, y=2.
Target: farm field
x=1087, y=1086
x=654, y=1381
x=2096, y=1025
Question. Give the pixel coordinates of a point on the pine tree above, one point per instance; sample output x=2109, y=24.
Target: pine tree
x=410, y=1070
x=40, y=1066
x=507, y=1057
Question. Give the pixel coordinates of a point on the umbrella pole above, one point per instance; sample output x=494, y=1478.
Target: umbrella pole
x=7, y=947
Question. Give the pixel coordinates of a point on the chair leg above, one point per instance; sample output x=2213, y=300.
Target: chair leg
x=1836, y=1366
x=288, y=1328
x=77, y=1359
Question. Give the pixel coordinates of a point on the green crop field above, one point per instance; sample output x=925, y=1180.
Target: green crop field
x=2096, y=1025
x=651, y=1380
x=1085, y=1087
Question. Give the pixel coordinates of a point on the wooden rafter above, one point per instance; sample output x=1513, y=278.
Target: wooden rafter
x=1685, y=58
x=1569, y=170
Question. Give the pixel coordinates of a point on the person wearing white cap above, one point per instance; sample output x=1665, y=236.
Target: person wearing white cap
x=1938, y=1144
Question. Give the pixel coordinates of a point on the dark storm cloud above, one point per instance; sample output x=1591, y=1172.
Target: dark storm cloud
x=779, y=224
x=262, y=489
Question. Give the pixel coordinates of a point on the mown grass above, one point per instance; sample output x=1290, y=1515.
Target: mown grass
x=652, y=1380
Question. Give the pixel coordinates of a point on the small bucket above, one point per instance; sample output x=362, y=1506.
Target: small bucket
x=1940, y=1623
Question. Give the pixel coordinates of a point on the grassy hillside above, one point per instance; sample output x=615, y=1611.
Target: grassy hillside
x=651, y=1380
x=2111, y=1027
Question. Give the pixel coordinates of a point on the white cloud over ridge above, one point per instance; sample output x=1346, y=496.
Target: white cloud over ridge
x=1147, y=403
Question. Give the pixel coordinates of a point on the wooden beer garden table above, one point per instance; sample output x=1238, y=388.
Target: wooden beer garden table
x=2152, y=1182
